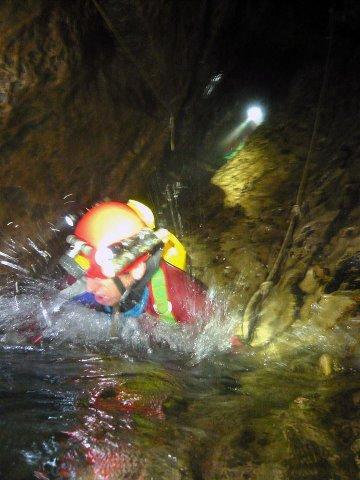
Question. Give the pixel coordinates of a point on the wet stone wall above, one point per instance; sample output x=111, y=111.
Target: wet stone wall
x=314, y=300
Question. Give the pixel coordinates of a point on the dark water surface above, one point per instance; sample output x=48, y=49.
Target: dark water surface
x=72, y=413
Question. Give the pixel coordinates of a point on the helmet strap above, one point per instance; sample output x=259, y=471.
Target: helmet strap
x=119, y=285
x=135, y=293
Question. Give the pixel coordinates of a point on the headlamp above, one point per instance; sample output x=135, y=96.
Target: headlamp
x=77, y=246
x=107, y=262
x=70, y=220
x=75, y=261
x=103, y=257
x=255, y=114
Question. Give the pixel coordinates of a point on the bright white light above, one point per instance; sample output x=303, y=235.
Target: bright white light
x=255, y=114
x=69, y=219
x=103, y=256
x=108, y=270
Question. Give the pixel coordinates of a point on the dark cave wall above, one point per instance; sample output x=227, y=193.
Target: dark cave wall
x=82, y=112
x=65, y=126
x=85, y=105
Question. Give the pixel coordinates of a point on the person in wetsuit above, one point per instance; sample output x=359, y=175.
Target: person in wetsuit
x=155, y=282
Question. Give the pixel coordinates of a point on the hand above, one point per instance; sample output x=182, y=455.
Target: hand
x=105, y=290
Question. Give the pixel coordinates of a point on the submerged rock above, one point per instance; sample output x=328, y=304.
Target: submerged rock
x=326, y=364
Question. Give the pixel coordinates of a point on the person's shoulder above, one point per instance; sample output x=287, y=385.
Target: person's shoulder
x=171, y=270
x=174, y=273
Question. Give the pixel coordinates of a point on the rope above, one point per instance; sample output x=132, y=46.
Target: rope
x=252, y=310
x=139, y=68
x=172, y=132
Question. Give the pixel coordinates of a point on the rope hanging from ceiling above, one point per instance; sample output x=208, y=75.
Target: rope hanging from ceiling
x=252, y=311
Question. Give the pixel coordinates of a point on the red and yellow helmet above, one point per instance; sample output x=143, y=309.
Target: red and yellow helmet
x=107, y=224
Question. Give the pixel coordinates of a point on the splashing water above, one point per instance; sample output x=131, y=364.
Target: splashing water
x=36, y=320
x=33, y=309
x=40, y=311
x=136, y=399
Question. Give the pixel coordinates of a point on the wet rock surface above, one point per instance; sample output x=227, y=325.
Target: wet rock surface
x=317, y=286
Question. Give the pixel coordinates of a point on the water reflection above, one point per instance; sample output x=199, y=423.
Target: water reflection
x=76, y=415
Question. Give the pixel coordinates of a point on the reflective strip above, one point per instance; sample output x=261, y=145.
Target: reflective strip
x=162, y=305
x=83, y=262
